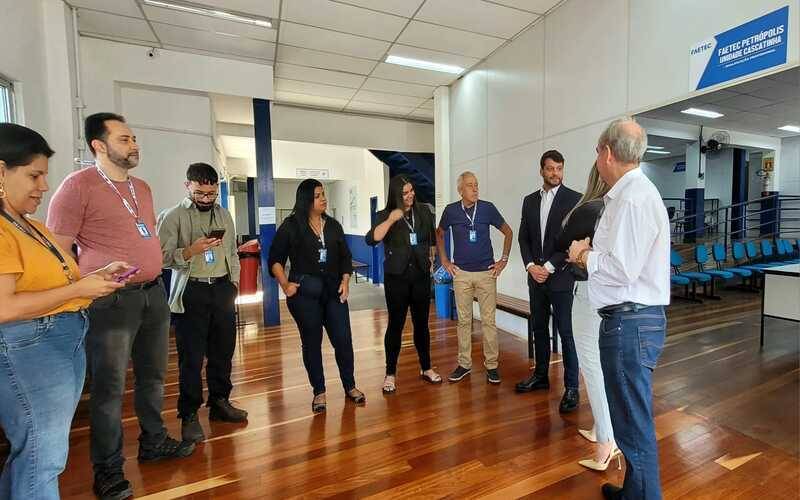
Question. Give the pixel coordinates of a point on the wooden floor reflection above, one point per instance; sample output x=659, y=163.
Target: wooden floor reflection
x=727, y=421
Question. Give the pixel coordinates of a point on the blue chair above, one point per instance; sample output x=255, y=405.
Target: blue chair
x=787, y=252
x=721, y=256
x=701, y=258
x=767, y=255
x=753, y=257
x=685, y=283
x=676, y=261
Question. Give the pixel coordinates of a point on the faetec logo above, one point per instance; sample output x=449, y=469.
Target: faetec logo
x=702, y=48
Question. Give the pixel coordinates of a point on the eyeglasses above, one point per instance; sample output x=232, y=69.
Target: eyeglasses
x=208, y=196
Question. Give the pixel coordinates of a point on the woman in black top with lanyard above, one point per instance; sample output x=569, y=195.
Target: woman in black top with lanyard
x=317, y=286
x=577, y=225
x=409, y=242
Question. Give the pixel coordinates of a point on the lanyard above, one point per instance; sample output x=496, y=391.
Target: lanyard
x=410, y=226
x=474, y=214
x=44, y=242
x=134, y=213
x=321, y=235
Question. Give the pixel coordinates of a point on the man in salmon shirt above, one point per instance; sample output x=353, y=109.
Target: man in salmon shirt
x=109, y=215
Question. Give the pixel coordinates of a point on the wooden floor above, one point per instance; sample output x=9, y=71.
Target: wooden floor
x=727, y=421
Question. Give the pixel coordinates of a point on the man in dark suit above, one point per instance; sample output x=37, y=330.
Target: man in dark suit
x=549, y=283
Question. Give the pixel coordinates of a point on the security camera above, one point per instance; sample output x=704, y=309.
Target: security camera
x=152, y=53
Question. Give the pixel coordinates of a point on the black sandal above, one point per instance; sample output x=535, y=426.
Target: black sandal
x=316, y=406
x=356, y=396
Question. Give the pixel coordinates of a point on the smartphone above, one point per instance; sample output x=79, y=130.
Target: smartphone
x=127, y=274
x=217, y=234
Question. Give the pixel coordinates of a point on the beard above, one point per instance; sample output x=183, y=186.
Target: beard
x=122, y=161
x=204, y=207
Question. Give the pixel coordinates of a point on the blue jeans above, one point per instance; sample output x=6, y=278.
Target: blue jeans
x=42, y=369
x=630, y=344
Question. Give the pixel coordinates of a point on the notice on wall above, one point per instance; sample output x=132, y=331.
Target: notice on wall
x=754, y=46
x=266, y=215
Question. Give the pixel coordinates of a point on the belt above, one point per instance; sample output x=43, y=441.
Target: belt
x=608, y=311
x=141, y=286
x=210, y=281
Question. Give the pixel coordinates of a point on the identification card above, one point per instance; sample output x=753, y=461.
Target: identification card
x=413, y=239
x=323, y=255
x=208, y=255
x=473, y=236
x=143, y=231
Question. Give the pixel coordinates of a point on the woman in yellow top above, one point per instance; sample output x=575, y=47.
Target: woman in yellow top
x=42, y=323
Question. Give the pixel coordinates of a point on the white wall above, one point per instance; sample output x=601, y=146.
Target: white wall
x=559, y=84
x=790, y=166
x=366, y=178
x=719, y=176
x=670, y=184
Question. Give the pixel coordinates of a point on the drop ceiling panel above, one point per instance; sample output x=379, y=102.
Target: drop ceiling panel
x=208, y=23
x=744, y=102
x=345, y=18
x=405, y=8
x=313, y=89
x=393, y=87
x=310, y=100
x=431, y=36
x=537, y=6
x=476, y=16
x=433, y=56
x=317, y=59
x=370, y=107
x=331, y=41
x=412, y=75
x=204, y=40
x=124, y=7
x=266, y=8
x=338, y=78
x=90, y=21
x=393, y=99
x=779, y=92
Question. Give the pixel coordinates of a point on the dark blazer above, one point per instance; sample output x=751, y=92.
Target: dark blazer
x=296, y=242
x=397, y=249
x=530, y=240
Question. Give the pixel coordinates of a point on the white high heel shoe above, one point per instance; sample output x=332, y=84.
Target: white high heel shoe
x=588, y=435
x=593, y=464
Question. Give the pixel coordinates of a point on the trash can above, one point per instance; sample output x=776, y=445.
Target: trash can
x=249, y=262
x=441, y=291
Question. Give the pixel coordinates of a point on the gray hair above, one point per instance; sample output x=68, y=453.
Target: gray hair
x=626, y=139
x=462, y=176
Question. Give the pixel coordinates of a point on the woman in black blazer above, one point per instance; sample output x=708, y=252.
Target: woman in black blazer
x=409, y=242
x=317, y=286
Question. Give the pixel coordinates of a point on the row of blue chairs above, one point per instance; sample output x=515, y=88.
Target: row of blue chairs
x=748, y=265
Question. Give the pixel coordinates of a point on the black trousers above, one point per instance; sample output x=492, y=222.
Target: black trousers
x=206, y=330
x=542, y=298
x=412, y=289
x=312, y=313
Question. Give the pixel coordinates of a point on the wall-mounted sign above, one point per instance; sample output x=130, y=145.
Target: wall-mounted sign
x=754, y=46
x=266, y=215
x=312, y=173
x=679, y=167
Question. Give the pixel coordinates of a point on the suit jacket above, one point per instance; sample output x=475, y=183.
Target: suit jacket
x=397, y=249
x=530, y=239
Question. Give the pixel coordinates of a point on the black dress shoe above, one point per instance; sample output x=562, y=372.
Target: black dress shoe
x=569, y=402
x=612, y=492
x=533, y=383
x=191, y=430
x=222, y=409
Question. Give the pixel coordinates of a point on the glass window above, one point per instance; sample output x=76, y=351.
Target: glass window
x=6, y=101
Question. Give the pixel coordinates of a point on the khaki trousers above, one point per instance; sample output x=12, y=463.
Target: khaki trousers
x=482, y=285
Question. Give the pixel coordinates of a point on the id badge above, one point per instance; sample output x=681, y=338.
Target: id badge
x=413, y=239
x=208, y=255
x=473, y=236
x=323, y=255
x=143, y=231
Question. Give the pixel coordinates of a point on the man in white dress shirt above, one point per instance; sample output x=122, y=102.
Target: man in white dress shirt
x=628, y=267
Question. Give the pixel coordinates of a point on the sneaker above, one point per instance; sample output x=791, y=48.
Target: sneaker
x=191, y=430
x=111, y=485
x=168, y=448
x=223, y=410
x=493, y=376
x=459, y=373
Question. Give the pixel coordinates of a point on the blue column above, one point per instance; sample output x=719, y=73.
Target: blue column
x=738, y=194
x=266, y=205
x=251, y=206
x=695, y=214
x=223, y=194
x=769, y=214
x=376, y=264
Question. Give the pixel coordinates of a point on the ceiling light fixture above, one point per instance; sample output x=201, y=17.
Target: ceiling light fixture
x=790, y=128
x=219, y=14
x=702, y=112
x=419, y=64
x=655, y=147
x=659, y=152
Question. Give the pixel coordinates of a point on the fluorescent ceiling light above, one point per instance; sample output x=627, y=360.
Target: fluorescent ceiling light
x=655, y=147
x=658, y=152
x=219, y=14
x=790, y=128
x=417, y=63
x=702, y=112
